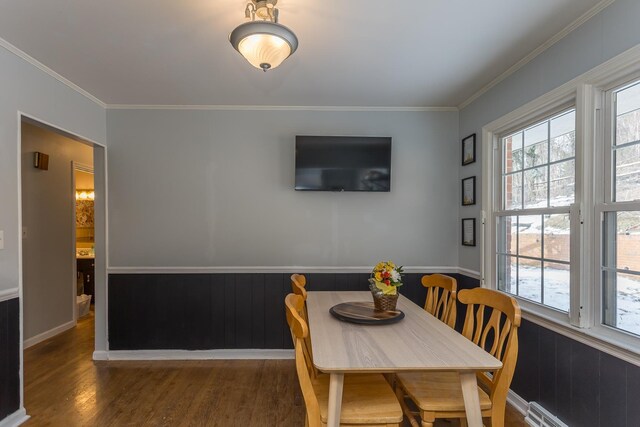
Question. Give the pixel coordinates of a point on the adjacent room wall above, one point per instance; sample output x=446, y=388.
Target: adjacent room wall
x=27, y=89
x=194, y=188
x=609, y=33
x=47, y=214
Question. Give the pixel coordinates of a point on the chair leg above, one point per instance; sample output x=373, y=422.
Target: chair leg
x=428, y=419
x=405, y=408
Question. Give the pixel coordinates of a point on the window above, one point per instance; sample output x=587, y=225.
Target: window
x=537, y=189
x=561, y=207
x=620, y=265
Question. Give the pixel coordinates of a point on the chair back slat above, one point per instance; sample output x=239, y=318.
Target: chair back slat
x=294, y=304
x=491, y=322
x=298, y=283
x=441, y=297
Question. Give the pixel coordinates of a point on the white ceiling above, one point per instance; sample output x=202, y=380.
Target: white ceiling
x=351, y=53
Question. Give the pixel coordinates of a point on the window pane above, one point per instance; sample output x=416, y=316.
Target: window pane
x=556, y=285
x=562, y=187
x=508, y=235
x=513, y=191
x=530, y=235
x=563, y=136
x=627, y=178
x=535, y=188
x=530, y=279
x=628, y=115
x=622, y=301
x=507, y=274
x=622, y=249
x=557, y=237
x=512, y=146
x=536, y=145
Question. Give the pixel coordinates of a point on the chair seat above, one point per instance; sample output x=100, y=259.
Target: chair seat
x=438, y=391
x=366, y=399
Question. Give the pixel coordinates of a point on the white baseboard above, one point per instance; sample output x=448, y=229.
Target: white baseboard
x=15, y=419
x=194, y=355
x=100, y=355
x=520, y=405
x=48, y=334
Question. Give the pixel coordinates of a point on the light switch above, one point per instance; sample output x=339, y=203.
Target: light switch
x=1, y=239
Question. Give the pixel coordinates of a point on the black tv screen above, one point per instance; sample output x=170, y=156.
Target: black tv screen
x=343, y=163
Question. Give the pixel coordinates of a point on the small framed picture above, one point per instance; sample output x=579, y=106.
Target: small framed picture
x=468, y=231
x=469, y=150
x=469, y=191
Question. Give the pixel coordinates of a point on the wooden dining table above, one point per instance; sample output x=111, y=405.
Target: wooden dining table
x=419, y=342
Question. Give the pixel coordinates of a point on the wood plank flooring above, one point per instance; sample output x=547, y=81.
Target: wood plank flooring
x=64, y=387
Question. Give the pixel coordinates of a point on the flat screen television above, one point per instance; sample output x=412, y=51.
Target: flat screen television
x=343, y=163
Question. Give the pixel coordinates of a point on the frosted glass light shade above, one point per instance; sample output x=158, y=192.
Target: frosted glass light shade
x=264, y=44
x=264, y=50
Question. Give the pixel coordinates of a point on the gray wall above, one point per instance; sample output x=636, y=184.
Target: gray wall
x=604, y=36
x=25, y=88
x=215, y=188
x=47, y=214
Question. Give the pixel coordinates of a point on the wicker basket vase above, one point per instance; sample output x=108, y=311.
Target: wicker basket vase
x=381, y=301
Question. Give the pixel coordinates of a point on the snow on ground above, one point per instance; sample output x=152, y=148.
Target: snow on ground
x=556, y=293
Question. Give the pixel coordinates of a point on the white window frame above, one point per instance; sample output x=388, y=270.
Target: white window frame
x=586, y=92
x=572, y=210
x=604, y=120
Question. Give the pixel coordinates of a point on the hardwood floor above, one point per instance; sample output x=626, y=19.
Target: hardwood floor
x=64, y=387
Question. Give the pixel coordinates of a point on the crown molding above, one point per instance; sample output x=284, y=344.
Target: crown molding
x=39, y=65
x=539, y=50
x=277, y=108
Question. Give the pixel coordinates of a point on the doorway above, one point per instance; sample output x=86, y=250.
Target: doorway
x=84, y=236
x=52, y=161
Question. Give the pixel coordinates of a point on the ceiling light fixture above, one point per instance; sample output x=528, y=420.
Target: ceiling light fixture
x=263, y=41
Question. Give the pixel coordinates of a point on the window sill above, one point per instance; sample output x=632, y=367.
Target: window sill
x=601, y=339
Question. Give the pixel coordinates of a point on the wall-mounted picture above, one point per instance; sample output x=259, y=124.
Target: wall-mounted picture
x=469, y=191
x=469, y=150
x=468, y=231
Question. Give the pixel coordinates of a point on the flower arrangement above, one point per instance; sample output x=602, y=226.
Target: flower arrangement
x=385, y=278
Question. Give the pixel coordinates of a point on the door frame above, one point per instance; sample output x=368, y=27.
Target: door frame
x=101, y=344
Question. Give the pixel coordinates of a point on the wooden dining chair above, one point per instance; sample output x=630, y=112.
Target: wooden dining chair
x=441, y=297
x=491, y=322
x=367, y=399
x=298, y=283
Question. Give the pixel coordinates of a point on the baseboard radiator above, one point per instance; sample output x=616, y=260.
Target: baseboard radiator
x=537, y=416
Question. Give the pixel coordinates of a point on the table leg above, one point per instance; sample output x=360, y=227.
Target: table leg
x=471, y=398
x=336, y=382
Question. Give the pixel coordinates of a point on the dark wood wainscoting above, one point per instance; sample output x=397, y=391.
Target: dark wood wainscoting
x=215, y=311
x=9, y=357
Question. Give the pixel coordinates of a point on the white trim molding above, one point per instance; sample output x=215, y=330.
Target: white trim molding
x=48, y=334
x=7, y=294
x=283, y=269
x=222, y=354
x=599, y=7
x=14, y=420
x=517, y=402
x=39, y=65
x=280, y=108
